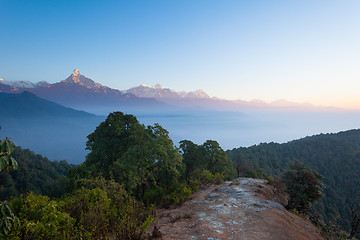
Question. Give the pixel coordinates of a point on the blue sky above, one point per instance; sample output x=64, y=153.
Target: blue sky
x=302, y=51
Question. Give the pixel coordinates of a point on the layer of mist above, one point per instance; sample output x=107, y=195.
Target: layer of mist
x=65, y=138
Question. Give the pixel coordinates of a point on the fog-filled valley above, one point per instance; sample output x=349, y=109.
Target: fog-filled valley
x=60, y=133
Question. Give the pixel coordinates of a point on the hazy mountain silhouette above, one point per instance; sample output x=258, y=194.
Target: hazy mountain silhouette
x=46, y=127
x=28, y=105
x=80, y=92
x=5, y=87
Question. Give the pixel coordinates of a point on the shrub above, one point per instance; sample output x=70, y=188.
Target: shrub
x=177, y=196
x=104, y=210
x=154, y=196
x=89, y=208
x=41, y=218
x=271, y=180
x=303, y=186
x=8, y=221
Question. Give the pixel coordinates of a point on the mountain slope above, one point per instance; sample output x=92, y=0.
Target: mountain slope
x=46, y=127
x=5, y=88
x=80, y=92
x=28, y=105
x=335, y=156
x=35, y=173
x=24, y=84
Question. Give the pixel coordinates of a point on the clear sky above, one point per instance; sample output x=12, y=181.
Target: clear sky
x=302, y=51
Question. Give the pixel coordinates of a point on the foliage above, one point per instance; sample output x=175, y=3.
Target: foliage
x=355, y=221
x=303, y=186
x=179, y=195
x=331, y=230
x=271, y=179
x=96, y=209
x=34, y=173
x=207, y=163
x=109, y=210
x=6, y=161
x=41, y=218
x=335, y=156
x=141, y=158
x=7, y=219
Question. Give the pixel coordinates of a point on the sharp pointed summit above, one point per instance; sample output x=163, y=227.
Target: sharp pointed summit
x=77, y=78
x=76, y=73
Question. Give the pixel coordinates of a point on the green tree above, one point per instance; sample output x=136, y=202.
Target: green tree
x=6, y=161
x=303, y=186
x=192, y=157
x=7, y=219
x=141, y=158
x=207, y=161
x=217, y=160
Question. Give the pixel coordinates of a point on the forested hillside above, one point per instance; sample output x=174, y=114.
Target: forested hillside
x=335, y=156
x=35, y=173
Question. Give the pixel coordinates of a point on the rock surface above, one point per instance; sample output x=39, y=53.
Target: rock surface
x=242, y=209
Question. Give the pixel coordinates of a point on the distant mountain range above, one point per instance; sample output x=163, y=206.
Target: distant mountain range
x=159, y=92
x=24, y=84
x=80, y=92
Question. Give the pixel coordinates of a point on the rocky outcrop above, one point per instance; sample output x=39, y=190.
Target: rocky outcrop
x=243, y=209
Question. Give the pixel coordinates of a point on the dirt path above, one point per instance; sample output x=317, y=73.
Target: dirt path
x=240, y=209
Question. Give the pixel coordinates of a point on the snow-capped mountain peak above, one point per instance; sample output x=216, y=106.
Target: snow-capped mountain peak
x=77, y=78
x=158, y=91
x=145, y=86
x=23, y=84
x=159, y=86
x=76, y=73
x=41, y=84
x=200, y=94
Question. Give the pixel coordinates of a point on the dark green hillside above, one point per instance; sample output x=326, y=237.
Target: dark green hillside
x=35, y=173
x=336, y=156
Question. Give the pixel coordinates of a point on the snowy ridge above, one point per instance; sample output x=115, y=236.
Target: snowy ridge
x=158, y=91
x=24, y=84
